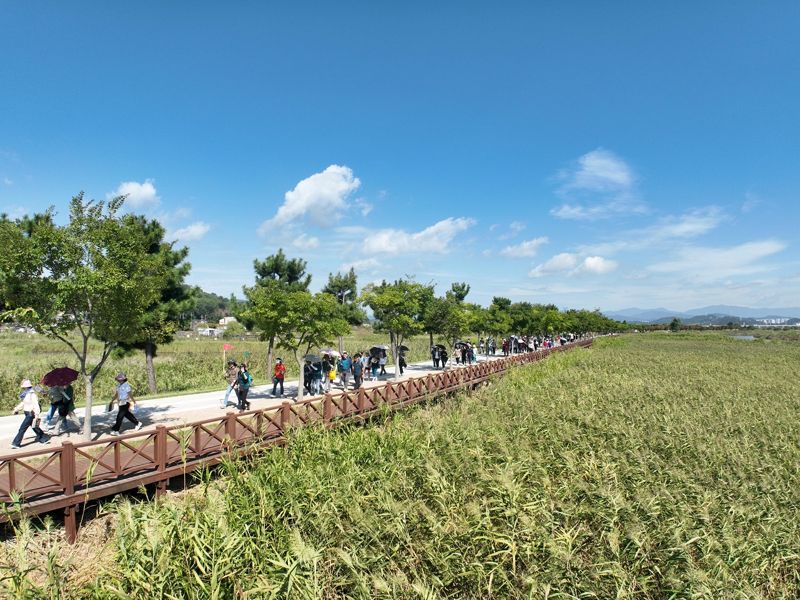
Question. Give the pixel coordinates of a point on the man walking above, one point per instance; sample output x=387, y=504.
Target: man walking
x=343, y=366
x=358, y=371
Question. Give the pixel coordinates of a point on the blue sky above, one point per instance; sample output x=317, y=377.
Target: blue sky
x=587, y=154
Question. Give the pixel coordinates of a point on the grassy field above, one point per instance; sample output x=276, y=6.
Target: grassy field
x=651, y=466
x=185, y=365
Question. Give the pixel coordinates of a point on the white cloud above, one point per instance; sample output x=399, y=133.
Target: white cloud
x=601, y=185
x=526, y=249
x=139, y=195
x=320, y=197
x=692, y=224
x=305, y=242
x=556, y=264
x=367, y=264
x=596, y=265
x=436, y=238
x=599, y=171
x=192, y=232
x=714, y=264
x=570, y=264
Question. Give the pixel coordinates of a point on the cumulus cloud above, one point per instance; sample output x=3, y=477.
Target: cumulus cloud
x=526, y=249
x=320, y=198
x=570, y=264
x=596, y=265
x=192, y=232
x=600, y=185
x=714, y=264
x=139, y=195
x=435, y=238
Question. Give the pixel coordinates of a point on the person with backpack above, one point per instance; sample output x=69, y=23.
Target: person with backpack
x=29, y=404
x=123, y=396
x=243, y=382
x=327, y=368
x=231, y=373
x=278, y=376
x=61, y=398
x=343, y=367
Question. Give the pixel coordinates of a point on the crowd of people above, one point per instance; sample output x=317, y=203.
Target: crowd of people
x=319, y=375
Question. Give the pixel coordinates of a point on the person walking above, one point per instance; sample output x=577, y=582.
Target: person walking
x=382, y=363
x=343, y=366
x=373, y=366
x=435, y=355
x=62, y=400
x=231, y=372
x=123, y=396
x=327, y=368
x=243, y=382
x=402, y=362
x=29, y=404
x=444, y=358
x=358, y=371
x=278, y=375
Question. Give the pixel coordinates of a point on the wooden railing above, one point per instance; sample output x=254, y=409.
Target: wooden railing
x=65, y=477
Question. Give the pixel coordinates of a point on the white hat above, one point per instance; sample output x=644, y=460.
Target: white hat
x=26, y=383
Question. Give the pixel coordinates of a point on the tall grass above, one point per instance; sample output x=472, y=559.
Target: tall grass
x=661, y=466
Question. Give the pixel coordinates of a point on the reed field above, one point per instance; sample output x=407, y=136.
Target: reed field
x=183, y=366
x=650, y=466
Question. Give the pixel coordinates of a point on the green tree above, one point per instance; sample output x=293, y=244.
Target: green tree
x=92, y=278
x=278, y=275
x=397, y=308
x=343, y=287
x=675, y=325
x=309, y=321
x=163, y=317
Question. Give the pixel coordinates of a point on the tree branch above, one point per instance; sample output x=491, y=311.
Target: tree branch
x=82, y=359
x=107, y=348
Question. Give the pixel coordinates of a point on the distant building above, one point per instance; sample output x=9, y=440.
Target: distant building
x=225, y=321
x=208, y=331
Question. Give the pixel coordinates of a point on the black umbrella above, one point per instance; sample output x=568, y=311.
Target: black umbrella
x=442, y=346
x=312, y=358
x=380, y=347
x=403, y=348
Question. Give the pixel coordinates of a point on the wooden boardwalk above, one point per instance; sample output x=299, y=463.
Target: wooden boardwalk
x=64, y=477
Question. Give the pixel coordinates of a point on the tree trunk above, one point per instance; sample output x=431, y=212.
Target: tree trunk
x=430, y=335
x=149, y=353
x=341, y=344
x=87, y=421
x=270, y=362
x=300, y=387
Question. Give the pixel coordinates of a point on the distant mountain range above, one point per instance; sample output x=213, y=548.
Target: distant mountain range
x=714, y=314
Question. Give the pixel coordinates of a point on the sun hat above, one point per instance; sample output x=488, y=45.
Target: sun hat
x=120, y=377
x=26, y=383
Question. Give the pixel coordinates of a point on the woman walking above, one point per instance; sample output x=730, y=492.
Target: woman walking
x=243, y=383
x=123, y=396
x=29, y=404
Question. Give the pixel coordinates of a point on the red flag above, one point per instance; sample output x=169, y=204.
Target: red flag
x=227, y=347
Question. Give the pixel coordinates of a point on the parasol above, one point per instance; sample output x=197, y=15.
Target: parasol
x=60, y=376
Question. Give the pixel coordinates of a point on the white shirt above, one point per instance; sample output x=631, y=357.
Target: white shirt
x=30, y=403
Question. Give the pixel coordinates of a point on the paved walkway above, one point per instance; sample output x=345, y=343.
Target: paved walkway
x=178, y=410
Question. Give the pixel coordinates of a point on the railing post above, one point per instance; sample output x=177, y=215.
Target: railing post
x=286, y=417
x=68, y=483
x=230, y=428
x=161, y=458
x=327, y=409
x=361, y=401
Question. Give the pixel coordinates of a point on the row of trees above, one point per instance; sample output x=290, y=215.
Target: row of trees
x=113, y=277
